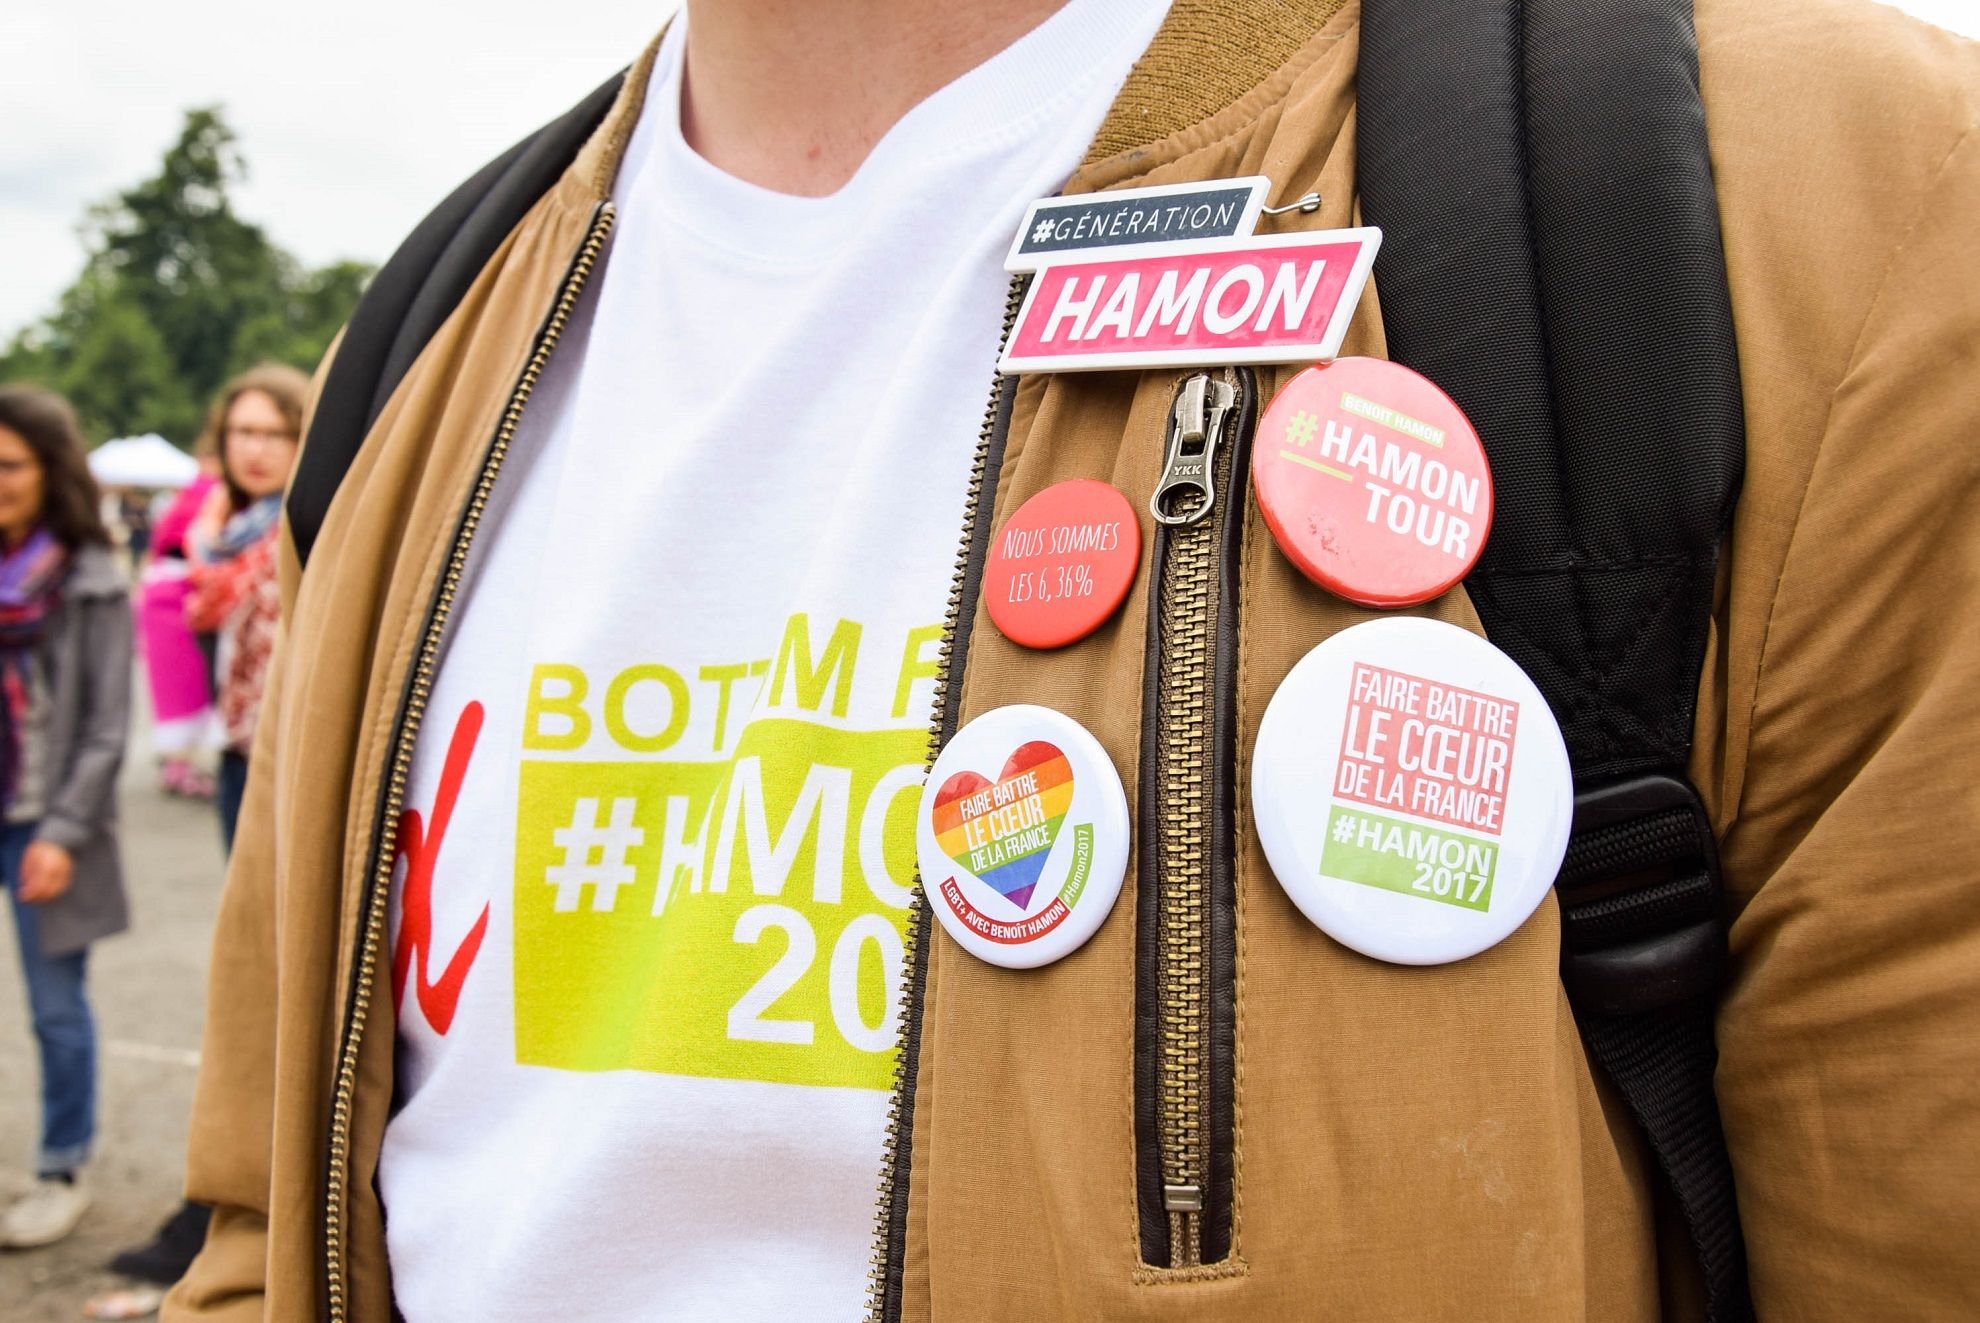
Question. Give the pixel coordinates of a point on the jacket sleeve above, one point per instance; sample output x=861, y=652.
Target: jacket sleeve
x=81, y=804
x=1850, y=1033
x=229, y=1150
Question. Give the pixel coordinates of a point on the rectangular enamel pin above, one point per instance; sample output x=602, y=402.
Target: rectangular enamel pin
x=1056, y=227
x=1282, y=298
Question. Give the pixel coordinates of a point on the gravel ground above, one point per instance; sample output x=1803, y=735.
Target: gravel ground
x=147, y=987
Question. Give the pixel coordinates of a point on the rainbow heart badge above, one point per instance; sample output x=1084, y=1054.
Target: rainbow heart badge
x=989, y=865
x=1003, y=830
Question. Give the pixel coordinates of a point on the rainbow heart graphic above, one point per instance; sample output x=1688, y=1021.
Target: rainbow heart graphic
x=1003, y=830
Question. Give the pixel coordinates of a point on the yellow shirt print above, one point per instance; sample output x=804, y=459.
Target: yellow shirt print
x=731, y=906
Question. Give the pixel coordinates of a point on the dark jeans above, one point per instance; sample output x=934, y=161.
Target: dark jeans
x=58, y=1004
x=228, y=789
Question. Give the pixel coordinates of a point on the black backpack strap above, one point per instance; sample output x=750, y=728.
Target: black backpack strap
x=1552, y=260
x=414, y=292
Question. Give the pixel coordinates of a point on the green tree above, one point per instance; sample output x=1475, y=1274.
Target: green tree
x=122, y=369
x=179, y=293
x=315, y=306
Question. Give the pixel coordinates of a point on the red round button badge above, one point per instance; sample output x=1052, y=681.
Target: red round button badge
x=1373, y=482
x=1062, y=564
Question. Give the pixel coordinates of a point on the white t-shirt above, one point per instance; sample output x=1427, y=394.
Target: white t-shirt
x=647, y=945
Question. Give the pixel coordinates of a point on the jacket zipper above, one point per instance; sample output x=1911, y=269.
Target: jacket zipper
x=1185, y=983
x=419, y=688
x=884, y=1284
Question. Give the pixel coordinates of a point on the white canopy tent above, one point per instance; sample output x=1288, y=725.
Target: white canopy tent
x=142, y=461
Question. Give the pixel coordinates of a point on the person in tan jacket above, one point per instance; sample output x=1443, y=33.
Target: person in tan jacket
x=568, y=933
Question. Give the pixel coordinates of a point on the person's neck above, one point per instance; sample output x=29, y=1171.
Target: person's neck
x=793, y=94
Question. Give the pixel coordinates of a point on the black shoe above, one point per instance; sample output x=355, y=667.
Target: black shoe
x=166, y=1258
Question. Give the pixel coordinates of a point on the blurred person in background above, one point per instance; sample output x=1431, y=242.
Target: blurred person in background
x=256, y=425
x=134, y=513
x=178, y=668
x=65, y=675
x=230, y=594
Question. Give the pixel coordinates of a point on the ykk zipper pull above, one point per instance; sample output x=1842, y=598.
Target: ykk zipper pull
x=1196, y=426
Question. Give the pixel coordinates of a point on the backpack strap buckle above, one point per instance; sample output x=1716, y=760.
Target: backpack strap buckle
x=1639, y=893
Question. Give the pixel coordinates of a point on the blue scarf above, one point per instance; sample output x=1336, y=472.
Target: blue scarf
x=245, y=528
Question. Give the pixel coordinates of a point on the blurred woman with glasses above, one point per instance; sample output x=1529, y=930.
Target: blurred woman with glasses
x=256, y=426
x=234, y=601
x=65, y=679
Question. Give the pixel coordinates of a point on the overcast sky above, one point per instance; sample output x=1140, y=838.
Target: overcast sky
x=356, y=116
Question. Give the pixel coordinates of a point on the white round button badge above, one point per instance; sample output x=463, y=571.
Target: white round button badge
x=1022, y=836
x=1412, y=791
